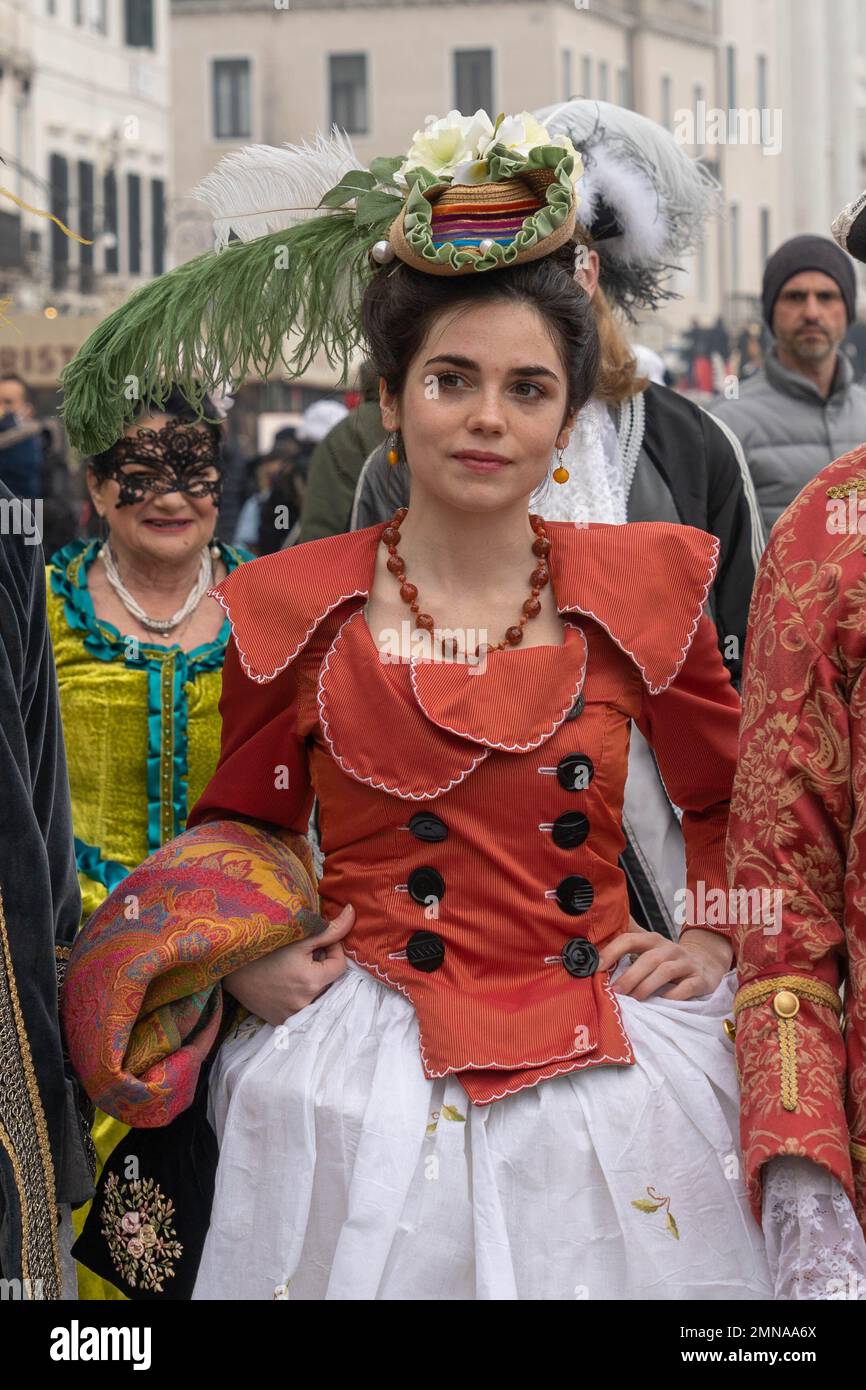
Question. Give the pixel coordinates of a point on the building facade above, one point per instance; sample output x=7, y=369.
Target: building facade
x=85, y=132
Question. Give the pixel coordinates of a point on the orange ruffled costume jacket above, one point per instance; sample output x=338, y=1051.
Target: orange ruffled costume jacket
x=798, y=828
x=472, y=815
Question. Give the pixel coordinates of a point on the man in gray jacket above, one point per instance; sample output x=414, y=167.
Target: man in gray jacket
x=803, y=409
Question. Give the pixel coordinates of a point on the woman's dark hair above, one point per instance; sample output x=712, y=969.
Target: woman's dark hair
x=178, y=407
x=401, y=303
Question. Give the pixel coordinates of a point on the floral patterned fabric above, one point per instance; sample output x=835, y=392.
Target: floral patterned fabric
x=798, y=826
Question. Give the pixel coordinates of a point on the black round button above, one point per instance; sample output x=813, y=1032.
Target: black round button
x=575, y=771
x=424, y=884
x=576, y=709
x=425, y=950
x=570, y=830
x=574, y=894
x=580, y=957
x=425, y=826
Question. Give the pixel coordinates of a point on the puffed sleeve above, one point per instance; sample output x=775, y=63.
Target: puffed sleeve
x=262, y=773
x=791, y=835
x=692, y=729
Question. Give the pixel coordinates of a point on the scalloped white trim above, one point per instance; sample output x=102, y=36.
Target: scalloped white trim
x=317, y=622
x=491, y=743
x=488, y=1066
x=346, y=767
x=657, y=689
x=576, y=1066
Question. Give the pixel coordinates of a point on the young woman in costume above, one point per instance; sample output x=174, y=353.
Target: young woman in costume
x=639, y=451
x=477, y=1081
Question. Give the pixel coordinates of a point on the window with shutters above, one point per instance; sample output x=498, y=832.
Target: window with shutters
x=347, y=80
x=133, y=207
x=567, y=78
x=58, y=178
x=232, y=118
x=85, y=225
x=109, y=222
x=473, y=80
x=157, y=231
x=10, y=240
x=138, y=23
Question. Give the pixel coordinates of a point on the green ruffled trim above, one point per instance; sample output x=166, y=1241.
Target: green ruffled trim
x=560, y=198
x=169, y=670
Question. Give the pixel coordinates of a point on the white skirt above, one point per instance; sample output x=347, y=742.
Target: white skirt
x=344, y=1173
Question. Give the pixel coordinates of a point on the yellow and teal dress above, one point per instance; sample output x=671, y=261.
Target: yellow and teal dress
x=142, y=729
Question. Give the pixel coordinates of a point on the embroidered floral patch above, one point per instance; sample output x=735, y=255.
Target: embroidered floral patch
x=449, y=1112
x=658, y=1203
x=138, y=1224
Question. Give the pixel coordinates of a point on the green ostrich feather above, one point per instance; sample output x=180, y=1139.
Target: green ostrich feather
x=220, y=318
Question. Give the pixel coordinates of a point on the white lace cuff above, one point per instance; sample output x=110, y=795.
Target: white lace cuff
x=815, y=1245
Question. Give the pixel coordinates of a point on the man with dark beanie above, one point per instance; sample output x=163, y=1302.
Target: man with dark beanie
x=803, y=409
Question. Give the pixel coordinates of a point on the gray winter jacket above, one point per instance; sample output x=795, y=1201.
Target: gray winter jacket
x=789, y=432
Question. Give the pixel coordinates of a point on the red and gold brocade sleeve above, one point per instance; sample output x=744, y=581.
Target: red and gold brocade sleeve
x=788, y=837
x=692, y=729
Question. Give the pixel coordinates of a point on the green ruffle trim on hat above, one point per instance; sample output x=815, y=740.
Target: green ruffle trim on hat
x=560, y=197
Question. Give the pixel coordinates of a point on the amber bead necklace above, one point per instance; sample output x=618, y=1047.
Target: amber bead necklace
x=409, y=592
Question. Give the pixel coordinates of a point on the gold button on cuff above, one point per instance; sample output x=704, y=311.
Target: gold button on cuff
x=786, y=1004
x=730, y=1028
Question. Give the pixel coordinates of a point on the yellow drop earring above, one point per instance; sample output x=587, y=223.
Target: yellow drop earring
x=560, y=473
x=393, y=456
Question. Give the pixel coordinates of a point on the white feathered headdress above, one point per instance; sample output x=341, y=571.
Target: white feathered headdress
x=644, y=201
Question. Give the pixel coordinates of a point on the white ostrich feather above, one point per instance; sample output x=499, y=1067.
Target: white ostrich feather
x=661, y=195
x=267, y=188
x=631, y=193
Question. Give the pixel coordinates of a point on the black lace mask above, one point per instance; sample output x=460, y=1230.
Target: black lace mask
x=176, y=458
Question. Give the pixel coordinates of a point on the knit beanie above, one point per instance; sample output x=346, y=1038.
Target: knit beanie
x=807, y=253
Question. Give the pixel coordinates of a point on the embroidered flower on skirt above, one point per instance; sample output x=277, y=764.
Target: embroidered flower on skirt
x=138, y=1224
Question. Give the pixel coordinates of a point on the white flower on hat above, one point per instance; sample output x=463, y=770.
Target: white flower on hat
x=447, y=142
x=519, y=134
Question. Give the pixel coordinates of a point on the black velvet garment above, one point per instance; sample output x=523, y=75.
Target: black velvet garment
x=42, y=1153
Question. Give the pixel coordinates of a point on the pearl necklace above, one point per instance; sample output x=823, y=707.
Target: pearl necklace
x=196, y=593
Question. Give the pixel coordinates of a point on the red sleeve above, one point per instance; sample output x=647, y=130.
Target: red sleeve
x=262, y=773
x=791, y=819
x=692, y=729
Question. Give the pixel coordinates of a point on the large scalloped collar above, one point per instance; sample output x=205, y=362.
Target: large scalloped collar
x=645, y=583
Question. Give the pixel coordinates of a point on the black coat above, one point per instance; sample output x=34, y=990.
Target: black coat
x=42, y=1160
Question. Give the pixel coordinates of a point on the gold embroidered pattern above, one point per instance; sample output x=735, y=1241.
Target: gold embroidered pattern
x=166, y=770
x=137, y=1222
x=843, y=489
x=788, y=1053
x=858, y=1151
x=787, y=991
x=814, y=990
x=61, y=960
x=24, y=1136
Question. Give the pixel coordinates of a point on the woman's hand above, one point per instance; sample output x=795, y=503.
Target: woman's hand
x=684, y=969
x=293, y=976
